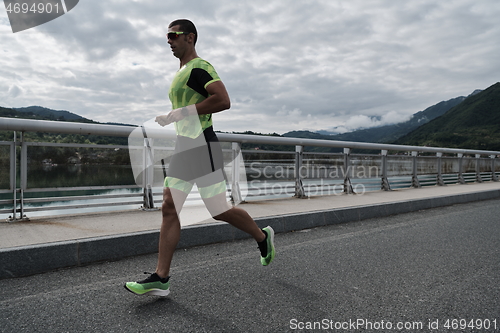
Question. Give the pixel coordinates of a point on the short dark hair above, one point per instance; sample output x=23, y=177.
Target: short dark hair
x=185, y=26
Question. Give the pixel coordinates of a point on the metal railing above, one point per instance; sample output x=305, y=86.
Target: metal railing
x=298, y=173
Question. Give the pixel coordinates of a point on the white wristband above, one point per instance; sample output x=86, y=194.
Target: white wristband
x=191, y=110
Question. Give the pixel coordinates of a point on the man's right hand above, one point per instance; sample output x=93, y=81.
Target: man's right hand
x=176, y=115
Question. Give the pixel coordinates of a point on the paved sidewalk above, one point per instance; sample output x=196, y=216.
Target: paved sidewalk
x=72, y=227
x=79, y=239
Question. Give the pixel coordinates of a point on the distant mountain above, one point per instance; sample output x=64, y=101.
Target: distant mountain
x=475, y=92
x=52, y=114
x=387, y=133
x=6, y=112
x=472, y=124
x=13, y=113
x=309, y=135
x=41, y=113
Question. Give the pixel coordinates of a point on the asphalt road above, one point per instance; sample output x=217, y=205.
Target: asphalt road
x=417, y=271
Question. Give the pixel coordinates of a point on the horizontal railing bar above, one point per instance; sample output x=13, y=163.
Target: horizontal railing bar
x=47, y=126
x=194, y=193
x=82, y=197
x=322, y=185
x=81, y=188
x=282, y=160
x=361, y=181
x=161, y=193
x=249, y=151
x=257, y=189
x=187, y=199
x=243, y=138
x=326, y=154
x=268, y=194
x=320, y=160
x=273, y=162
x=30, y=125
x=33, y=209
x=332, y=162
x=74, y=145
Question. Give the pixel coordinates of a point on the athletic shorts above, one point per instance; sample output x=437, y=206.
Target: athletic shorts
x=197, y=161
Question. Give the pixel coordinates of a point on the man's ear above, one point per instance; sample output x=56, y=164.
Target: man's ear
x=190, y=38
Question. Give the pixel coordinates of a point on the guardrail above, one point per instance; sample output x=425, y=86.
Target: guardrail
x=299, y=173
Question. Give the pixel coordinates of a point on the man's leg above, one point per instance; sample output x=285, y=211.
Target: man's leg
x=170, y=230
x=221, y=210
x=212, y=189
x=158, y=284
x=237, y=217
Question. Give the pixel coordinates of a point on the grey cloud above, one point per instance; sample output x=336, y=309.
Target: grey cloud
x=14, y=91
x=91, y=32
x=321, y=64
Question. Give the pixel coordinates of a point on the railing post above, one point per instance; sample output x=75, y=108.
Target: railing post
x=236, y=197
x=414, y=178
x=478, y=169
x=347, y=181
x=494, y=176
x=24, y=176
x=461, y=179
x=13, y=177
x=147, y=177
x=439, y=180
x=385, y=182
x=299, y=186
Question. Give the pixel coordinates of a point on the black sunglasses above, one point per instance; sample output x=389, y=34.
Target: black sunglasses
x=173, y=35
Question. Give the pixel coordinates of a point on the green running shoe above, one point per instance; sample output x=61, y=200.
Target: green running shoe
x=266, y=247
x=153, y=285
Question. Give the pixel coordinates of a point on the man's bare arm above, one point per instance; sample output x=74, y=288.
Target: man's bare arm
x=217, y=101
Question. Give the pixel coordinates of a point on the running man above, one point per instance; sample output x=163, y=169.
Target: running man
x=196, y=93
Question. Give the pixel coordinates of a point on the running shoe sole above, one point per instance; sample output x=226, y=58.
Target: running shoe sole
x=148, y=292
x=270, y=244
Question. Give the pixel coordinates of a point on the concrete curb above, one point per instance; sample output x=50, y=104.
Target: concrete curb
x=34, y=259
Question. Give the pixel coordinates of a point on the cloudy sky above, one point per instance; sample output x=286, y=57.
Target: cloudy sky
x=288, y=65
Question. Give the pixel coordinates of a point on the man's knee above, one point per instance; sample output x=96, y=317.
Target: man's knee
x=220, y=217
x=167, y=204
x=218, y=206
x=223, y=216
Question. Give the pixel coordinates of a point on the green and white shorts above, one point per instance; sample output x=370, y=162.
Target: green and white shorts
x=197, y=161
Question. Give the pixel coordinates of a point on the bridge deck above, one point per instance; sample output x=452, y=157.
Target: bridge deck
x=73, y=227
x=423, y=271
x=45, y=244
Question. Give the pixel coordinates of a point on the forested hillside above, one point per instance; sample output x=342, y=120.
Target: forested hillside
x=473, y=124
